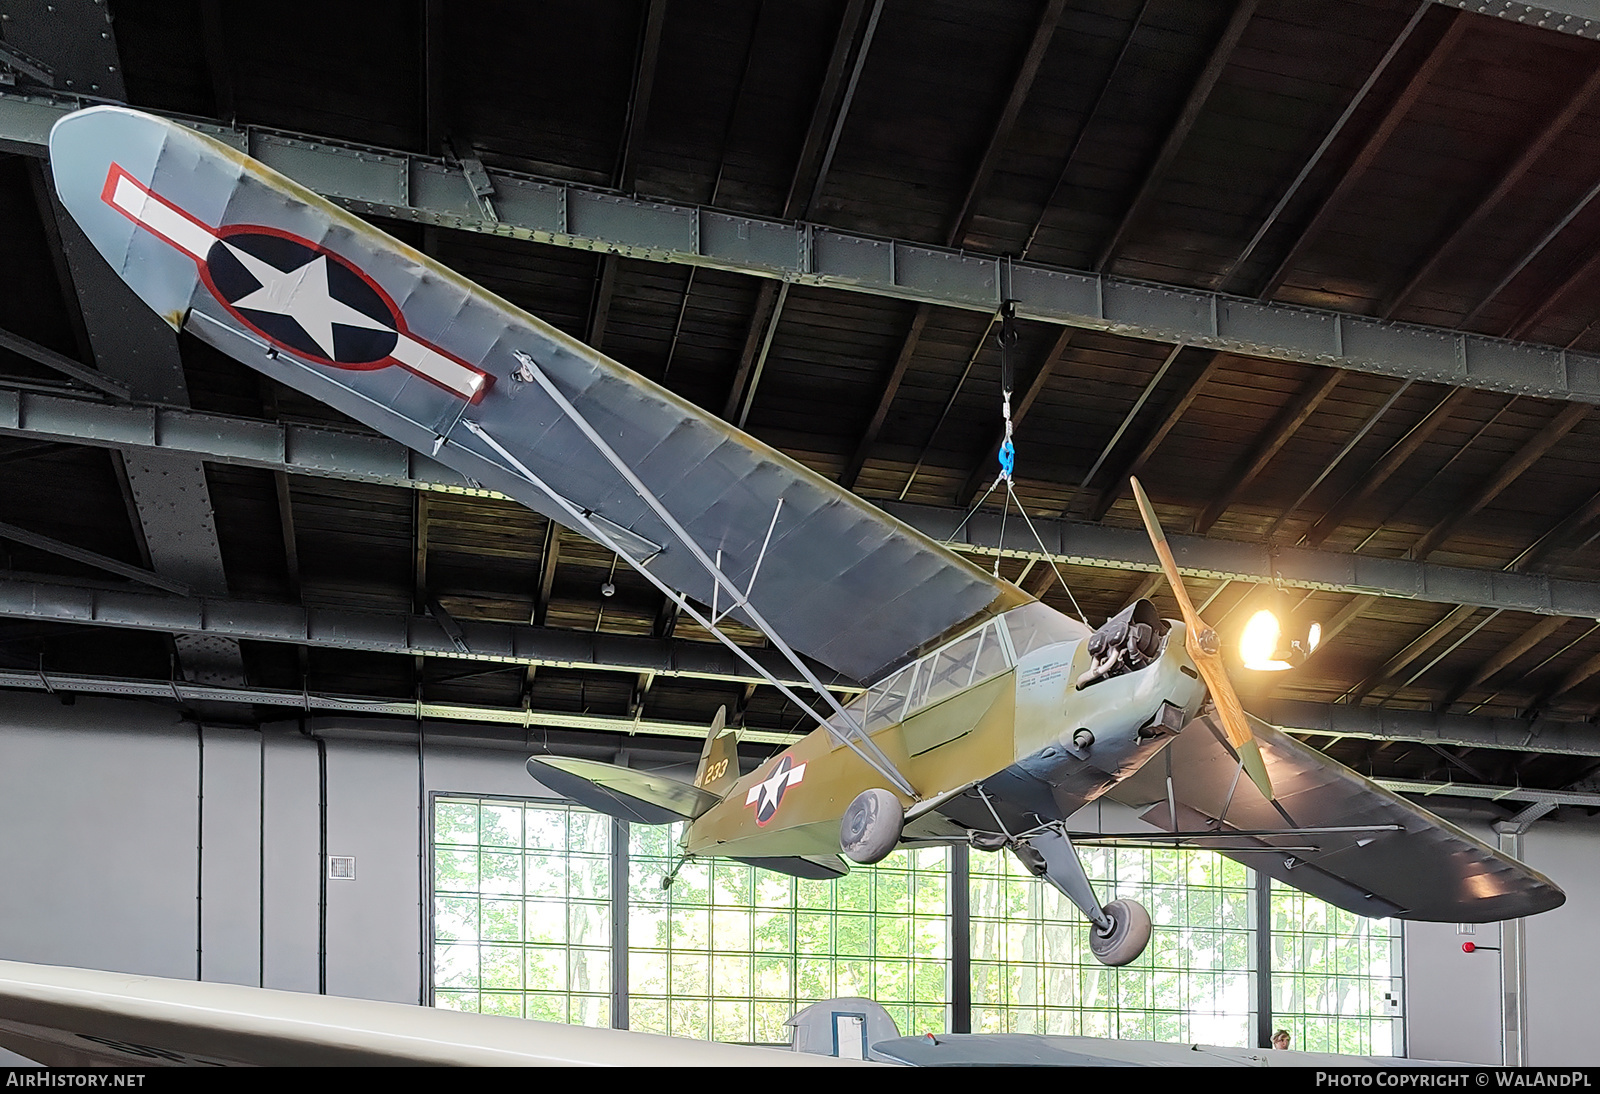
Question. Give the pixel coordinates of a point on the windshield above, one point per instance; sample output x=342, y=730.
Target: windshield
x=1034, y=626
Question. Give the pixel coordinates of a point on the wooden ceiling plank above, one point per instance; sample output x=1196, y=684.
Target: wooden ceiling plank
x=1513, y=174
x=1253, y=463
x=1536, y=447
x=1173, y=413
x=1503, y=659
x=1399, y=106
x=1391, y=461
x=1194, y=105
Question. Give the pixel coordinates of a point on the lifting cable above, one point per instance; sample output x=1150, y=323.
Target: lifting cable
x=1007, y=455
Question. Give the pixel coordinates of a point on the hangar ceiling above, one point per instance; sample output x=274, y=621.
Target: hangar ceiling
x=1322, y=274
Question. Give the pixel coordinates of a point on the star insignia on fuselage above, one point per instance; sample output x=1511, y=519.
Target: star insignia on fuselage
x=768, y=794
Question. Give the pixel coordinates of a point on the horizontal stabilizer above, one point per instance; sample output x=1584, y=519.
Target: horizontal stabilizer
x=806, y=867
x=1410, y=864
x=622, y=792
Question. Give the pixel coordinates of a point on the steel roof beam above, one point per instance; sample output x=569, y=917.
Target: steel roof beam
x=1316, y=719
x=401, y=634
x=427, y=191
x=1580, y=18
x=186, y=693
x=416, y=635
x=1540, y=736
x=1584, y=798
x=1081, y=543
x=324, y=452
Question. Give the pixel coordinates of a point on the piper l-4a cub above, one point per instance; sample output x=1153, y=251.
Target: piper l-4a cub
x=990, y=718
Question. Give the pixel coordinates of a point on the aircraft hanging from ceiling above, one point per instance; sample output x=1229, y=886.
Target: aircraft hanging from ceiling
x=991, y=718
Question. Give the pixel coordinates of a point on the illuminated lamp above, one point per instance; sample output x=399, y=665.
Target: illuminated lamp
x=1276, y=638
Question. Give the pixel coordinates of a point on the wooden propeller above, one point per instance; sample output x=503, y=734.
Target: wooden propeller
x=1200, y=641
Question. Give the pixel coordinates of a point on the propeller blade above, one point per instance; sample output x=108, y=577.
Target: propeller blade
x=1200, y=641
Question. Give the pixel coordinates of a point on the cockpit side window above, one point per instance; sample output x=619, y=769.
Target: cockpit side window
x=971, y=659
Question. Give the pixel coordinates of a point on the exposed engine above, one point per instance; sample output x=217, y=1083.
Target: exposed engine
x=1129, y=640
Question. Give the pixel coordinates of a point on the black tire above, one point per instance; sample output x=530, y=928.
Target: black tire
x=871, y=826
x=1128, y=936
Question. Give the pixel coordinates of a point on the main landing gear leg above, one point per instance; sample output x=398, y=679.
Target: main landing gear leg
x=1118, y=931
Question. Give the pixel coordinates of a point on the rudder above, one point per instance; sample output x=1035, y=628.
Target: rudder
x=719, y=758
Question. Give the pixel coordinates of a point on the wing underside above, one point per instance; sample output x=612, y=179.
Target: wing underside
x=1409, y=864
x=836, y=577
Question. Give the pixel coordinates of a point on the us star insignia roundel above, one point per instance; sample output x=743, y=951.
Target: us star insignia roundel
x=768, y=794
x=294, y=294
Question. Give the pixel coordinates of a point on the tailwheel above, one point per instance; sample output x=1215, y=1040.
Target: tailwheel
x=1127, y=935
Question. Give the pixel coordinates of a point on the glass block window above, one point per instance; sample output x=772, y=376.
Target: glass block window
x=1032, y=971
x=1336, y=983
x=522, y=910
x=730, y=952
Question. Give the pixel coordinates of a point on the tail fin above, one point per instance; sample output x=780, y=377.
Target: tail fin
x=719, y=759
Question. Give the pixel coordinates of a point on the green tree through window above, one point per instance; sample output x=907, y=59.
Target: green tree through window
x=522, y=910
x=522, y=914
x=731, y=951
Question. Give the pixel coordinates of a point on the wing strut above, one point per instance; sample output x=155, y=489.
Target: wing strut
x=851, y=735
x=608, y=534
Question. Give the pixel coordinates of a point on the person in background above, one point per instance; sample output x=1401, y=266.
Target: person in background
x=1280, y=1039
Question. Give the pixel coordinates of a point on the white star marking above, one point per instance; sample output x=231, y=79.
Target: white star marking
x=770, y=790
x=302, y=295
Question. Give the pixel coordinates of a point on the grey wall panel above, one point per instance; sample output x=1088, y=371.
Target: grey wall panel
x=97, y=804
x=374, y=921
x=1452, y=998
x=1563, y=963
x=231, y=858
x=292, y=863
x=482, y=771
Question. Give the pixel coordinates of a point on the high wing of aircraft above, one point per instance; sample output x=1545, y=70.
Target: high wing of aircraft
x=66, y=1017
x=990, y=718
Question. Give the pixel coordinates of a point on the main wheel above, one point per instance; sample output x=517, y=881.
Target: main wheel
x=871, y=826
x=1128, y=936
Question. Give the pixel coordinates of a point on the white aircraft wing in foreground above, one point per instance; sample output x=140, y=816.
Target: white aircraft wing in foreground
x=68, y=1017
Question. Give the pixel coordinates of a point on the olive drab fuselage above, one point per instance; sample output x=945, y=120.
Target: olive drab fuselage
x=1016, y=712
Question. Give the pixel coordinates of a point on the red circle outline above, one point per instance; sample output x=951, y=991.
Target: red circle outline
x=399, y=320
